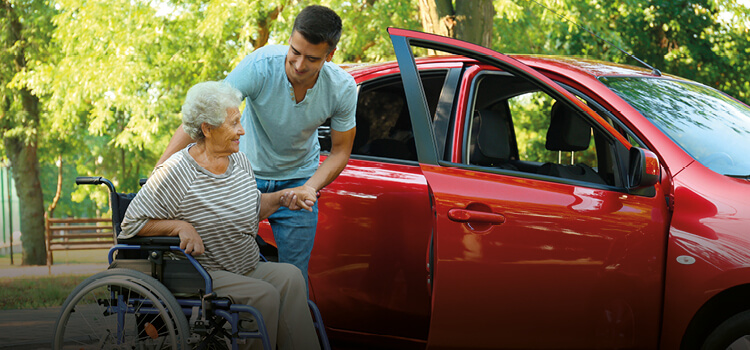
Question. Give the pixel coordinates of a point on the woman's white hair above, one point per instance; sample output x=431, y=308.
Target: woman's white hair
x=207, y=102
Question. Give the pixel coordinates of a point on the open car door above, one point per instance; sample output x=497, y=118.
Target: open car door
x=522, y=260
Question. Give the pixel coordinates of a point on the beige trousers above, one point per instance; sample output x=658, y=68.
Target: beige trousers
x=278, y=291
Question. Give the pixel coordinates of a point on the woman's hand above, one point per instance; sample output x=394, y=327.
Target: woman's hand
x=288, y=199
x=190, y=241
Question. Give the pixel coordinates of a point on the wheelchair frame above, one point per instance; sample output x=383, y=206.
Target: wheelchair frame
x=150, y=297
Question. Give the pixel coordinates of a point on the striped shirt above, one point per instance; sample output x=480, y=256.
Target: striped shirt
x=223, y=208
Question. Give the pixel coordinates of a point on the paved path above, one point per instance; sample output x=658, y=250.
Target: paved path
x=27, y=329
x=31, y=329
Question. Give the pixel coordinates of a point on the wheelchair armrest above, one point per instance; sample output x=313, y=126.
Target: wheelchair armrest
x=151, y=241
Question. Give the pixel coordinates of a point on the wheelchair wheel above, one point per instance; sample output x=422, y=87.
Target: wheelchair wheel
x=121, y=309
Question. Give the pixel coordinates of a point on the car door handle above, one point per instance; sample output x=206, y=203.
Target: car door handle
x=465, y=215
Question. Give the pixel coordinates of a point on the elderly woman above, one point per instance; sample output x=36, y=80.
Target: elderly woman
x=206, y=194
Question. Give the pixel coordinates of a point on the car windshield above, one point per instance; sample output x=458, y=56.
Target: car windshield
x=709, y=125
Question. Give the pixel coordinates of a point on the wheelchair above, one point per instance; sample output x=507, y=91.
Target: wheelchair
x=146, y=300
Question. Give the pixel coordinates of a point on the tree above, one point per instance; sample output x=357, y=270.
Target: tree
x=466, y=20
x=25, y=32
x=700, y=40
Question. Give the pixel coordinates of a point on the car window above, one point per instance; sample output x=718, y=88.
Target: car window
x=709, y=125
x=515, y=126
x=384, y=127
x=531, y=114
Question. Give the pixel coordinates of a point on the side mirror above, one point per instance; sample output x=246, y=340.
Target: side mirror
x=643, y=170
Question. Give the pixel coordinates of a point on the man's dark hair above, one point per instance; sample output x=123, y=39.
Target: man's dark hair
x=319, y=24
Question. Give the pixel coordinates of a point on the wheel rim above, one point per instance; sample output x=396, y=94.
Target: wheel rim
x=89, y=323
x=740, y=344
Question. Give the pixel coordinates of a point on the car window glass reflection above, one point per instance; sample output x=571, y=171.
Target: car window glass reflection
x=710, y=126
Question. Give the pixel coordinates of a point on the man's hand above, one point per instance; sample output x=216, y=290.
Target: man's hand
x=190, y=241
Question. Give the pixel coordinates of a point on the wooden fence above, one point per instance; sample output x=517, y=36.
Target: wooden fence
x=76, y=234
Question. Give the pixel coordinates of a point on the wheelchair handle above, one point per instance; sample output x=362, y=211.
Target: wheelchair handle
x=95, y=180
x=88, y=180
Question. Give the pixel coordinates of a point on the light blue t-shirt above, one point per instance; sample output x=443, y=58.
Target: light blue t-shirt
x=281, y=138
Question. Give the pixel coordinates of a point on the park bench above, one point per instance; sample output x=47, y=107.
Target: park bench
x=77, y=234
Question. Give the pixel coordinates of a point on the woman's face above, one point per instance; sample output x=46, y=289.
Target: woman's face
x=226, y=137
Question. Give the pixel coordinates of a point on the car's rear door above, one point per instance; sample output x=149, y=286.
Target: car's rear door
x=523, y=260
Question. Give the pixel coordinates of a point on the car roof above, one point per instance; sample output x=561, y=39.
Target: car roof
x=590, y=67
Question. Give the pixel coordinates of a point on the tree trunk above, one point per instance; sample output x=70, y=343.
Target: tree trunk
x=474, y=21
x=25, y=168
x=438, y=17
x=469, y=21
x=21, y=149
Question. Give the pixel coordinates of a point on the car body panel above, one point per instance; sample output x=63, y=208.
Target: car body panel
x=546, y=269
x=363, y=252
x=710, y=225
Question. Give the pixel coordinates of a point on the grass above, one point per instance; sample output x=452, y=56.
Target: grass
x=37, y=291
x=62, y=257
x=43, y=290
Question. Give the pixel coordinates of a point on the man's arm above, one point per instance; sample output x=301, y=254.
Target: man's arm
x=179, y=140
x=341, y=149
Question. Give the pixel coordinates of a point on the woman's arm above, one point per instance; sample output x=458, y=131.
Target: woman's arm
x=190, y=241
x=271, y=202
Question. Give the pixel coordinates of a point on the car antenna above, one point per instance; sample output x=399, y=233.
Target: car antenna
x=653, y=70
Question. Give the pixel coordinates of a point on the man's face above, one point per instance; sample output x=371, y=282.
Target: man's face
x=304, y=60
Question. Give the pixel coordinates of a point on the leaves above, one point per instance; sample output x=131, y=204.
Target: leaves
x=111, y=75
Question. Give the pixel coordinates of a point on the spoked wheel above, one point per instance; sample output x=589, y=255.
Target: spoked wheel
x=121, y=309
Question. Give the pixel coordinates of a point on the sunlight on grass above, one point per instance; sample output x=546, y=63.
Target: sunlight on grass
x=36, y=292
x=92, y=256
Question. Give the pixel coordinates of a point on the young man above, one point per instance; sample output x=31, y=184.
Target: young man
x=289, y=92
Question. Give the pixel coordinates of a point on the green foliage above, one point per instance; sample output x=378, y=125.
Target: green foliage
x=703, y=40
x=25, y=31
x=111, y=75
x=364, y=37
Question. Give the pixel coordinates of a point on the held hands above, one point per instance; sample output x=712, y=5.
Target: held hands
x=190, y=241
x=302, y=197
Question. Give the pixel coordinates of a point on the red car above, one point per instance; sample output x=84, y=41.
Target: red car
x=516, y=202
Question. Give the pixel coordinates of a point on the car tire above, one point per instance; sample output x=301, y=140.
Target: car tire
x=734, y=333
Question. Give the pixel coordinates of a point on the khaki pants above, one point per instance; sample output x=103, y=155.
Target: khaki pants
x=278, y=291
